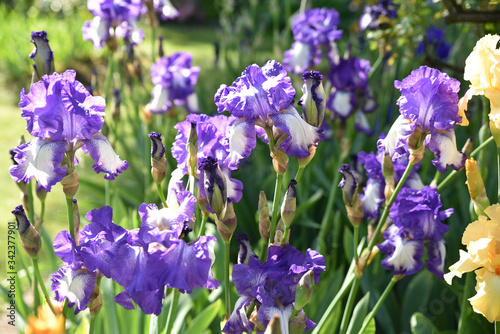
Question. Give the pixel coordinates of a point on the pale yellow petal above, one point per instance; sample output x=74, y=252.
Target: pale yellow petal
x=476, y=230
x=463, y=265
x=478, y=65
x=479, y=252
x=487, y=299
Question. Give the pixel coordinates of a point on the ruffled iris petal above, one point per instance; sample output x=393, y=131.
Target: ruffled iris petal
x=40, y=159
x=105, y=158
x=74, y=285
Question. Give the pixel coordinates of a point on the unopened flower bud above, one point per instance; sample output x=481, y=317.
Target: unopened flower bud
x=30, y=238
x=245, y=251
x=313, y=101
x=388, y=171
x=416, y=145
x=264, y=220
x=158, y=160
x=280, y=160
x=289, y=205
x=279, y=234
x=95, y=303
x=192, y=150
x=227, y=223
x=467, y=148
x=303, y=162
x=70, y=184
x=274, y=326
x=304, y=290
x=352, y=201
x=42, y=55
x=214, y=185
x=476, y=187
x=41, y=193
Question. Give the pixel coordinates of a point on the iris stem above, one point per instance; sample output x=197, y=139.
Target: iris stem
x=71, y=219
x=172, y=311
x=350, y=305
x=497, y=327
x=276, y=203
x=107, y=194
x=42, y=285
x=472, y=155
x=285, y=234
x=464, y=303
x=42, y=213
x=109, y=74
x=299, y=174
x=162, y=196
x=227, y=289
x=92, y=325
x=379, y=303
x=385, y=213
x=498, y=167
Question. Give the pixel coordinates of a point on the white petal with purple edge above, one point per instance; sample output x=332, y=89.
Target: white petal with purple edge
x=160, y=102
x=39, y=159
x=241, y=141
x=105, y=158
x=444, y=146
x=301, y=134
x=342, y=103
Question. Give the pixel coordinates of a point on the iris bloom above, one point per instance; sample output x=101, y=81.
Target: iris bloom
x=429, y=112
x=416, y=221
x=481, y=239
x=174, y=78
x=376, y=17
x=263, y=97
x=62, y=116
x=483, y=72
x=272, y=285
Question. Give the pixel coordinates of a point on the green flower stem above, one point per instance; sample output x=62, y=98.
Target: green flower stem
x=107, y=192
x=36, y=294
x=172, y=311
x=227, y=289
x=276, y=203
x=498, y=167
x=464, y=303
x=42, y=213
x=497, y=327
x=300, y=171
x=472, y=155
x=71, y=219
x=340, y=294
x=350, y=305
x=285, y=234
x=355, y=243
x=376, y=65
x=379, y=303
x=31, y=204
x=385, y=213
x=153, y=43
x=38, y=275
x=160, y=192
x=109, y=74
x=92, y=325
x=202, y=226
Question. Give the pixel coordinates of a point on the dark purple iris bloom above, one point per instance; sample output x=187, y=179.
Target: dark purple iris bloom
x=62, y=116
x=272, y=285
x=145, y=260
x=264, y=97
x=317, y=26
x=377, y=16
x=113, y=16
x=436, y=43
x=350, y=90
x=416, y=220
x=429, y=108
x=373, y=193
x=214, y=135
x=174, y=78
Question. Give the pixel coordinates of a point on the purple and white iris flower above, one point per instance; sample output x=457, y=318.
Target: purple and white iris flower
x=376, y=17
x=116, y=17
x=429, y=112
x=62, y=116
x=264, y=97
x=416, y=221
x=174, y=78
x=144, y=260
x=312, y=30
x=213, y=142
x=272, y=286
x=350, y=91
x=166, y=10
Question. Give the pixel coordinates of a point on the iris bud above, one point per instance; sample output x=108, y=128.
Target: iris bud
x=264, y=220
x=192, y=149
x=42, y=55
x=214, y=185
x=158, y=160
x=352, y=201
x=313, y=101
x=245, y=251
x=304, y=290
x=289, y=205
x=476, y=187
x=30, y=239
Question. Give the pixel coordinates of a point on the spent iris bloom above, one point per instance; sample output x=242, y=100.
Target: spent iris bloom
x=264, y=97
x=483, y=71
x=350, y=91
x=63, y=117
x=112, y=18
x=272, y=286
x=174, y=78
x=482, y=256
x=429, y=112
x=416, y=220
